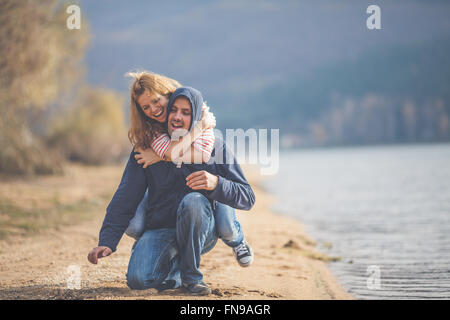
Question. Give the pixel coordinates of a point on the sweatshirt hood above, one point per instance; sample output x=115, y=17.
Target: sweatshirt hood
x=196, y=100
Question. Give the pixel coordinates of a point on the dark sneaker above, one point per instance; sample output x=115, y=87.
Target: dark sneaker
x=243, y=253
x=197, y=289
x=166, y=285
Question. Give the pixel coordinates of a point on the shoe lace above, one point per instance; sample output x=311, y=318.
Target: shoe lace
x=241, y=249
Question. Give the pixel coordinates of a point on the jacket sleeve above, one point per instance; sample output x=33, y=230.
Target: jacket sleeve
x=232, y=188
x=123, y=205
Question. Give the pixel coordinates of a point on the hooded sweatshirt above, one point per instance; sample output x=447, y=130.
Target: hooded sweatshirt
x=167, y=184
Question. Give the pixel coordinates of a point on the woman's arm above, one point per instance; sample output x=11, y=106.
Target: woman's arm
x=146, y=157
x=184, y=143
x=195, y=147
x=195, y=154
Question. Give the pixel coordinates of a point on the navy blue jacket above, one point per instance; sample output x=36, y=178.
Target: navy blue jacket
x=167, y=186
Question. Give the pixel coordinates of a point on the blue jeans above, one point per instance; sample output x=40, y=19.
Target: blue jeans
x=165, y=258
x=228, y=228
x=136, y=227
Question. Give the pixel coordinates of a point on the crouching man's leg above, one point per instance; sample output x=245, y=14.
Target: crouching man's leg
x=228, y=228
x=154, y=261
x=196, y=235
x=137, y=225
x=230, y=231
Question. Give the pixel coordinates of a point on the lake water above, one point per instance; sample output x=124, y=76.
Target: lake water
x=384, y=209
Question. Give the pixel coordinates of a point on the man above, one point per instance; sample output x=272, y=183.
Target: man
x=180, y=219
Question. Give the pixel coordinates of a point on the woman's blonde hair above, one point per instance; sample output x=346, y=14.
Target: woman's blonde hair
x=142, y=128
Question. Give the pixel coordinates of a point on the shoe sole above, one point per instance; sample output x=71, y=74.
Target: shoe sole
x=199, y=293
x=206, y=292
x=246, y=264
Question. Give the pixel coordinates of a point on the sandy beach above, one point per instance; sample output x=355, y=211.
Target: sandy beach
x=44, y=264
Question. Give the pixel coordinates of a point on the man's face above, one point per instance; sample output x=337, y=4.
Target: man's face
x=180, y=115
x=154, y=105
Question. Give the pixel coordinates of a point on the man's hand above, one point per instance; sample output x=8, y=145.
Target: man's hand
x=98, y=252
x=202, y=180
x=146, y=157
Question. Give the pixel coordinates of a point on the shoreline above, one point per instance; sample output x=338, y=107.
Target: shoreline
x=286, y=266
x=303, y=273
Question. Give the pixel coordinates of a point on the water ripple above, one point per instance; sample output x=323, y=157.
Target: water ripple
x=383, y=208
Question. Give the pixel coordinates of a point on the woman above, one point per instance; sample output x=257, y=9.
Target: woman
x=149, y=97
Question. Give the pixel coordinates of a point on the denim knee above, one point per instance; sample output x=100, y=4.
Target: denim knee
x=134, y=232
x=193, y=204
x=140, y=281
x=226, y=232
x=228, y=228
x=150, y=260
x=136, y=280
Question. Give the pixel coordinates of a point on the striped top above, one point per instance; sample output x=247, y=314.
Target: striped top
x=204, y=143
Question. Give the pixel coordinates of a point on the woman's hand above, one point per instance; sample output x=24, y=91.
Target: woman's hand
x=146, y=157
x=208, y=119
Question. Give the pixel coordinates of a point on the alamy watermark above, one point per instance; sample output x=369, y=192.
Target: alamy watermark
x=253, y=146
x=73, y=277
x=73, y=21
x=373, y=281
x=374, y=20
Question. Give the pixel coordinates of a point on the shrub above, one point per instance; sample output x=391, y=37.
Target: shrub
x=92, y=131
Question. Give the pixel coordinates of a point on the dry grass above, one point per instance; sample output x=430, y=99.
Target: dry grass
x=29, y=205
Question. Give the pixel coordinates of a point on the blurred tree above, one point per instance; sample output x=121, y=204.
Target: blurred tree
x=93, y=130
x=40, y=60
